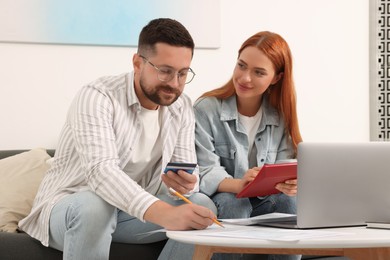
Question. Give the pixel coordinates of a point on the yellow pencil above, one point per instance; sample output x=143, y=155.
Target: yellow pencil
x=189, y=202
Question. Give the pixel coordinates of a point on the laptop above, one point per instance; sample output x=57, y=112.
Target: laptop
x=341, y=185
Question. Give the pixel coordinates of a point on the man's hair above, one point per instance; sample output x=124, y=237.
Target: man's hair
x=164, y=30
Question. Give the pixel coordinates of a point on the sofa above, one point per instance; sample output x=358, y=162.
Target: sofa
x=18, y=245
x=19, y=171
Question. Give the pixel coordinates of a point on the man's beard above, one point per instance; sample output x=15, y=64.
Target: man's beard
x=155, y=95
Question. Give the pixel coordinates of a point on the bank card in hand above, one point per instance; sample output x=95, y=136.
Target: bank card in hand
x=173, y=166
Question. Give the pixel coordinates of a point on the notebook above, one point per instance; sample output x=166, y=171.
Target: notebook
x=341, y=184
x=267, y=178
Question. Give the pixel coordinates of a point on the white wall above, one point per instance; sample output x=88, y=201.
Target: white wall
x=328, y=39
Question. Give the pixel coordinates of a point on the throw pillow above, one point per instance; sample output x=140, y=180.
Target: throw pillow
x=20, y=176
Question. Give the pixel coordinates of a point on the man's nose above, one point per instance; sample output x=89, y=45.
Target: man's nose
x=175, y=81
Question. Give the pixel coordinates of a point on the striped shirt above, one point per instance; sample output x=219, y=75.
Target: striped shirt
x=97, y=141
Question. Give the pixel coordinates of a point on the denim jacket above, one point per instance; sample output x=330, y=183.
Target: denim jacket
x=222, y=142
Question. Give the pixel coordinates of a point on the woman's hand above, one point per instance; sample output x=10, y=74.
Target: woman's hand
x=236, y=185
x=288, y=187
x=248, y=177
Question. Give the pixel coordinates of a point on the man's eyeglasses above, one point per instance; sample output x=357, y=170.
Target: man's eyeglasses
x=165, y=73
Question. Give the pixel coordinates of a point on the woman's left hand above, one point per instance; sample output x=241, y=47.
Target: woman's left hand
x=288, y=187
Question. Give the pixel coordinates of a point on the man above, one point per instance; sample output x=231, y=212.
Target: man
x=106, y=182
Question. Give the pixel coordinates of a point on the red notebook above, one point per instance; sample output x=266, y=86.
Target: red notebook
x=269, y=175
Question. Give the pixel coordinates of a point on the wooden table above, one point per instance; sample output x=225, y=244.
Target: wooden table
x=357, y=243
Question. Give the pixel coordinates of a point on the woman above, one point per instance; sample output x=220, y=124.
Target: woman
x=250, y=121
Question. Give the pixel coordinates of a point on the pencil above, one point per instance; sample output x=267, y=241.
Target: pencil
x=189, y=202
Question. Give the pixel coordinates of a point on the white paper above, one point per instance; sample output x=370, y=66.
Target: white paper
x=266, y=218
x=271, y=234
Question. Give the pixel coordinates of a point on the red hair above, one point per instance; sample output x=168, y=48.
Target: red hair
x=282, y=95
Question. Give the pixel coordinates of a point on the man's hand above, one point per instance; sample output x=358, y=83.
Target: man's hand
x=181, y=181
x=288, y=187
x=184, y=217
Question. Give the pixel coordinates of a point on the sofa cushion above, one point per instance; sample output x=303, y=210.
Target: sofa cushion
x=20, y=176
x=15, y=246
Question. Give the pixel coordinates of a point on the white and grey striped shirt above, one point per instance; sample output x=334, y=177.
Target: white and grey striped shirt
x=97, y=141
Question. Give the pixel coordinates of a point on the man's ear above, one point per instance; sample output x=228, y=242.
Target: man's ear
x=137, y=61
x=277, y=78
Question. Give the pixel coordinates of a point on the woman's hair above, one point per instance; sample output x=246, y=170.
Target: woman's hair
x=281, y=95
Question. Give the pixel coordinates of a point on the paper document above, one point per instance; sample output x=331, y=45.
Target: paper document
x=269, y=234
x=266, y=218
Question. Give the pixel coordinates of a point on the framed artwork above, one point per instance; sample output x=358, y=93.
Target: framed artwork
x=104, y=22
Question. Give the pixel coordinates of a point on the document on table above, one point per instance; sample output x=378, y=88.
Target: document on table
x=272, y=234
x=255, y=232
x=266, y=218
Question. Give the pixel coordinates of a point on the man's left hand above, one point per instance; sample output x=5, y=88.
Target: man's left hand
x=181, y=181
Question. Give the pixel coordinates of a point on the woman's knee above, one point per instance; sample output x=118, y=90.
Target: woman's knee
x=229, y=206
x=285, y=204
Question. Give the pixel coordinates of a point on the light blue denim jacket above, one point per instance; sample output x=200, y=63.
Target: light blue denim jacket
x=222, y=142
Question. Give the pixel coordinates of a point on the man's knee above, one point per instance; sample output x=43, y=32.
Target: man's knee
x=91, y=209
x=197, y=198
x=203, y=200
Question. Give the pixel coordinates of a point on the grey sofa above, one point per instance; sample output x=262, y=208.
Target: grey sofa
x=15, y=246
x=20, y=246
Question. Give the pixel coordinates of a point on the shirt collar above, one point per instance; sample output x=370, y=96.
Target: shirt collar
x=132, y=98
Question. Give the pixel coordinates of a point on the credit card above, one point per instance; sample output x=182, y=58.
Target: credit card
x=174, y=166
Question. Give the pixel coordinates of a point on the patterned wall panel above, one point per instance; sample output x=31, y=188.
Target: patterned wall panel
x=379, y=70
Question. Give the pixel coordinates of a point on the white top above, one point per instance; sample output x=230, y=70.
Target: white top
x=145, y=164
x=251, y=124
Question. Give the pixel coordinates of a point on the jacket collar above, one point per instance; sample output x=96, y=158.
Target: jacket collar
x=270, y=115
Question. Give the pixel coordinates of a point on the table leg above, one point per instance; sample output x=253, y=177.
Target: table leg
x=202, y=253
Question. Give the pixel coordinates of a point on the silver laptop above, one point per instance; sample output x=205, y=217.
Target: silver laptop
x=342, y=184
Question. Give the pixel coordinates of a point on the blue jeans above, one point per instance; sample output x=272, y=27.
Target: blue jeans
x=83, y=225
x=230, y=207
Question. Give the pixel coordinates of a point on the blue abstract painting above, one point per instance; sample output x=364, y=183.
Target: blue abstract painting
x=104, y=22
